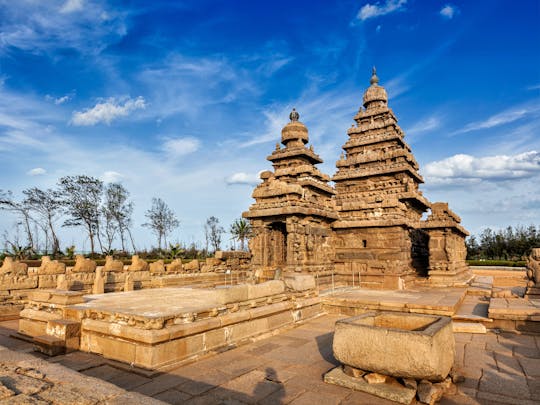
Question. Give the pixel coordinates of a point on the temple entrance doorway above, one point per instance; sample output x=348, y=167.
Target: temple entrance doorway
x=278, y=245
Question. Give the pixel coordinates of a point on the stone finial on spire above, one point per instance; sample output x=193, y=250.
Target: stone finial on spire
x=374, y=78
x=294, y=116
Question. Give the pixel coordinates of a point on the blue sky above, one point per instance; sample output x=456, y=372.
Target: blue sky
x=183, y=100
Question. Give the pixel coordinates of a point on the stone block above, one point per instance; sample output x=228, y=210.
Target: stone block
x=213, y=261
x=30, y=327
x=230, y=294
x=265, y=289
x=63, y=329
x=62, y=297
x=397, y=344
x=248, y=329
x=393, y=392
x=214, y=339
x=300, y=282
x=49, y=345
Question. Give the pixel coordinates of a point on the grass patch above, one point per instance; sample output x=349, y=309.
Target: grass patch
x=506, y=263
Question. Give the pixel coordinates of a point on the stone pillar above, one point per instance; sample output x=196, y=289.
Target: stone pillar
x=99, y=283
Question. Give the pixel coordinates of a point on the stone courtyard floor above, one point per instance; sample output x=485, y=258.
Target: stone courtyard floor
x=499, y=368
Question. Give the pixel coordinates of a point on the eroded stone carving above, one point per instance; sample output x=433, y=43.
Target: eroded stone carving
x=138, y=264
x=13, y=267
x=533, y=274
x=84, y=265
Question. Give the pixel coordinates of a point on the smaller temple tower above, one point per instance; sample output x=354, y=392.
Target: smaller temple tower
x=293, y=209
x=447, y=250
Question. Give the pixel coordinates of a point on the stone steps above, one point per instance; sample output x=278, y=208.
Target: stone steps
x=472, y=315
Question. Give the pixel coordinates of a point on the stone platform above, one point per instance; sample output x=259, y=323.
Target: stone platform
x=156, y=328
x=442, y=301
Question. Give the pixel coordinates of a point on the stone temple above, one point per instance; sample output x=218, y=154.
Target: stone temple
x=365, y=228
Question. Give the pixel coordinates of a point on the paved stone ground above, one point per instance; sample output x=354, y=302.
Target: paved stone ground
x=287, y=368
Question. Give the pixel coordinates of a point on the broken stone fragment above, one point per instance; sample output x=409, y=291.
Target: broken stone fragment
x=353, y=372
x=429, y=393
x=410, y=383
x=375, y=378
x=5, y=392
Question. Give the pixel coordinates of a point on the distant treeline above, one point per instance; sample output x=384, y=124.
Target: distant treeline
x=512, y=243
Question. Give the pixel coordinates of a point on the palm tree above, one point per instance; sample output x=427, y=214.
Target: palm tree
x=241, y=231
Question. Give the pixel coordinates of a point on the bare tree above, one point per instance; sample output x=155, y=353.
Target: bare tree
x=161, y=220
x=117, y=211
x=82, y=200
x=8, y=203
x=213, y=231
x=47, y=205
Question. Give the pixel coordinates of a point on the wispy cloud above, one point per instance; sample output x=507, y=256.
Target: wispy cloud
x=424, y=125
x=502, y=118
x=449, y=11
x=107, y=111
x=463, y=168
x=59, y=100
x=71, y=6
x=181, y=84
x=376, y=10
x=46, y=26
x=176, y=147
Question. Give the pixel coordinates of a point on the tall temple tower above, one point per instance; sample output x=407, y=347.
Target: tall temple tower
x=293, y=209
x=378, y=234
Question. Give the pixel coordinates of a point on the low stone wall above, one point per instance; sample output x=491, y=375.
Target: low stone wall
x=17, y=280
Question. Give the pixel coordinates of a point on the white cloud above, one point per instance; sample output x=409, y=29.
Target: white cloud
x=504, y=117
x=243, y=178
x=59, y=100
x=448, y=11
x=111, y=177
x=38, y=171
x=107, y=111
x=465, y=169
x=71, y=6
x=176, y=147
x=376, y=10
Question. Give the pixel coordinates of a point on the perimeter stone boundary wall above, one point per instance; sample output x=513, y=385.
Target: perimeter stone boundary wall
x=225, y=268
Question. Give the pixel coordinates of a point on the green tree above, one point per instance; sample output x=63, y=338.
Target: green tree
x=47, y=205
x=241, y=231
x=117, y=211
x=81, y=201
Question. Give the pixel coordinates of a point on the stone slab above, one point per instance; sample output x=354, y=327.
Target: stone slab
x=392, y=392
x=468, y=327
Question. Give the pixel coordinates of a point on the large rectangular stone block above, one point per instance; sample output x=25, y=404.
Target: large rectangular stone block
x=397, y=344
